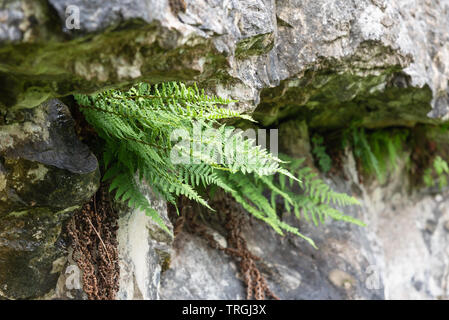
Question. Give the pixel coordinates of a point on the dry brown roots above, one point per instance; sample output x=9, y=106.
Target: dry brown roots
x=92, y=231
x=255, y=282
x=177, y=6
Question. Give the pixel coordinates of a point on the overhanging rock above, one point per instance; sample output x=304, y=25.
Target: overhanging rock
x=235, y=48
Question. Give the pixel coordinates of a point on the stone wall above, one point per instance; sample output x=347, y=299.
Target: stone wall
x=322, y=63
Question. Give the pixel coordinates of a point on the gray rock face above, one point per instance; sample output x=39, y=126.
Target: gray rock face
x=349, y=263
x=43, y=162
x=11, y=16
x=235, y=48
x=342, y=268
x=45, y=174
x=413, y=234
x=400, y=254
x=144, y=250
x=97, y=15
x=328, y=63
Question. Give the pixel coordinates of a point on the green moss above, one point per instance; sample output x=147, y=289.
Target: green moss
x=332, y=100
x=30, y=244
x=256, y=45
x=32, y=72
x=18, y=213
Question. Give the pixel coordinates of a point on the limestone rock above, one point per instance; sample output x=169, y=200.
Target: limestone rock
x=45, y=174
x=144, y=250
x=235, y=48
x=326, y=63
x=294, y=269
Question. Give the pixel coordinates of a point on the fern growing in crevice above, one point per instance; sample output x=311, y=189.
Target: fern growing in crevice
x=378, y=151
x=437, y=173
x=169, y=136
x=314, y=204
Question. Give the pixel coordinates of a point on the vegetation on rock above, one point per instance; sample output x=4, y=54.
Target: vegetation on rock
x=319, y=152
x=142, y=127
x=436, y=173
x=378, y=151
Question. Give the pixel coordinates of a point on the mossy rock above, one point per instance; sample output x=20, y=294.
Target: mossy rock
x=46, y=173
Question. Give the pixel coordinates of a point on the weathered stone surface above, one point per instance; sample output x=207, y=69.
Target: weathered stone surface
x=144, y=252
x=46, y=173
x=70, y=281
x=400, y=254
x=294, y=270
x=414, y=239
x=199, y=272
x=235, y=48
x=29, y=245
x=144, y=249
x=43, y=162
x=346, y=265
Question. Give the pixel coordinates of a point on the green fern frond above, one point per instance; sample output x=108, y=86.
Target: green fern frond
x=319, y=152
x=142, y=128
x=437, y=173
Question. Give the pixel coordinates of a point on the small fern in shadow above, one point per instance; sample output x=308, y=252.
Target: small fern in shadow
x=378, y=151
x=437, y=173
x=319, y=152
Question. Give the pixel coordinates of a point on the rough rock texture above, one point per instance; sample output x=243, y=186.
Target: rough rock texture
x=413, y=234
x=326, y=63
x=348, y=264
x=45, y=174
x=401, y=254
x=144, y=249
x=144, y=252
x=235, y=48
x=294, y=270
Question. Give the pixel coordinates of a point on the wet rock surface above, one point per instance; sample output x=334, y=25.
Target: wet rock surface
x=46, y=174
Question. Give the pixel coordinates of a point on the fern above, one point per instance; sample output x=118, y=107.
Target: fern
x=319, y=151
x=378, y=151
x=440, y=169
x=314, y=204
x=141, y=128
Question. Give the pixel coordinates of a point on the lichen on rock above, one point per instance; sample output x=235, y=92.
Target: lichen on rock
x=302, y=66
